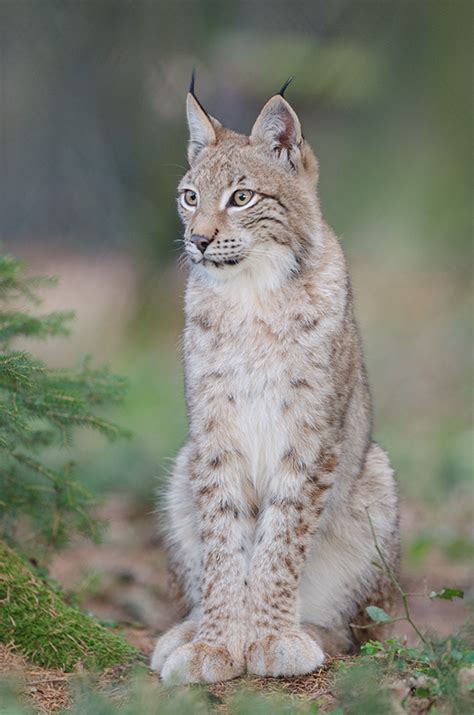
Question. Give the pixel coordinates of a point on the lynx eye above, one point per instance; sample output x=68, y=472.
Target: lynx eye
x=190, y=197
x=241, y=197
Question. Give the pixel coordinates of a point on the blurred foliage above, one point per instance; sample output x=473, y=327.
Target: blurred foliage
x=145, y=696
x=93, y=112
x=455, y=546
x=421, y=680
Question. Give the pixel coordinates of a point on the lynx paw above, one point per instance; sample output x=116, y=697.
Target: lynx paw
x=290, y=653
x=200, y=663
x=170, y=641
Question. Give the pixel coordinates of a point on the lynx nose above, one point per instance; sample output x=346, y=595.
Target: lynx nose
x=201, y=242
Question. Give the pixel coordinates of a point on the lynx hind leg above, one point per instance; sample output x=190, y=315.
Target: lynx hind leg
x=341, y=578
x=382, y=597
x=184, y=563
x=332, y=640
x=378, y=476
x=182, y=537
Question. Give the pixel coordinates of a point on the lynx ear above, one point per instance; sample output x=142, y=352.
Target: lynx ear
x=202, y=127
x=278, y=127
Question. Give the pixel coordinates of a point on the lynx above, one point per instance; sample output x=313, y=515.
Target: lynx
x=280, y=498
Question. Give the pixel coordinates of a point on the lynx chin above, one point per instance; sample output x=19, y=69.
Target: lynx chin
x=270, y=546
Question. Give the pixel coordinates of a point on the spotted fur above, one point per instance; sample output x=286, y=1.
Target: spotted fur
x=267, y=509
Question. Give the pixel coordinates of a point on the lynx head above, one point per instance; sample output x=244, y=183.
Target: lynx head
x=248, y=203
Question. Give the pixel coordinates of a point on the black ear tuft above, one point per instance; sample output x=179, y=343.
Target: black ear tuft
x=193, y=79
x=285, y=86
x=202, y=127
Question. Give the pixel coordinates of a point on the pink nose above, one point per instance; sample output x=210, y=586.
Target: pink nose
x=201, y=242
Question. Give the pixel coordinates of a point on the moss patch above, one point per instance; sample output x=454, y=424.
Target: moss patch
x=37, y=622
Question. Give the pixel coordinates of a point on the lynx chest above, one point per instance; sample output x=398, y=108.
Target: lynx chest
x=259, y=381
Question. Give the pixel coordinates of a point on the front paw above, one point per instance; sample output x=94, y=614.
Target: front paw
x=200, y=662
x=284, y=654
x=170, y=641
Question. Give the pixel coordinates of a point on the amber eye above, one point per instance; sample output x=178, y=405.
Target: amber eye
x=241, y=197
x=190, y=197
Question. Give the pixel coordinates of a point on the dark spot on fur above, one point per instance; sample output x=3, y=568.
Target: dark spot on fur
x=299, y=382
x=330, y=464
x=307, y=324
x=281, y=240
x=214, y=374
x=202, y=320
x=285, y=592
x=327, y=461
x=208, y=590
x=254, y=510
x=292, y=460
x=210, y=425
x=206, y=490
x=225, y=507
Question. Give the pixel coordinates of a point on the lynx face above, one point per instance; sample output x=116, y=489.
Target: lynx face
x=243, y=198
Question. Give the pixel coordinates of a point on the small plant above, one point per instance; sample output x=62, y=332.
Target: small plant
x=380, y=617
x=431, y=669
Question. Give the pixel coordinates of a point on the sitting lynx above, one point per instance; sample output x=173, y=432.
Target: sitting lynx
x=267, y=514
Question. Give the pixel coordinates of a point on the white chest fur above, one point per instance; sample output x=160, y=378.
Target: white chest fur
x=258, y=380
x=245, y=365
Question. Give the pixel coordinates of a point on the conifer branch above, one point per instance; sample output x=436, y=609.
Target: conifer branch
x=42, y=407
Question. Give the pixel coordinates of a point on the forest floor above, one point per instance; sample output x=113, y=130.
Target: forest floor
x=122, y=581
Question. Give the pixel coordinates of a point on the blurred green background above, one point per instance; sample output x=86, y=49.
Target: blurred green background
x=92, y=145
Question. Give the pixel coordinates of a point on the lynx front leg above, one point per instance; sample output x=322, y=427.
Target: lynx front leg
x=279, y=647
x=177, y=636
x=217, y=650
